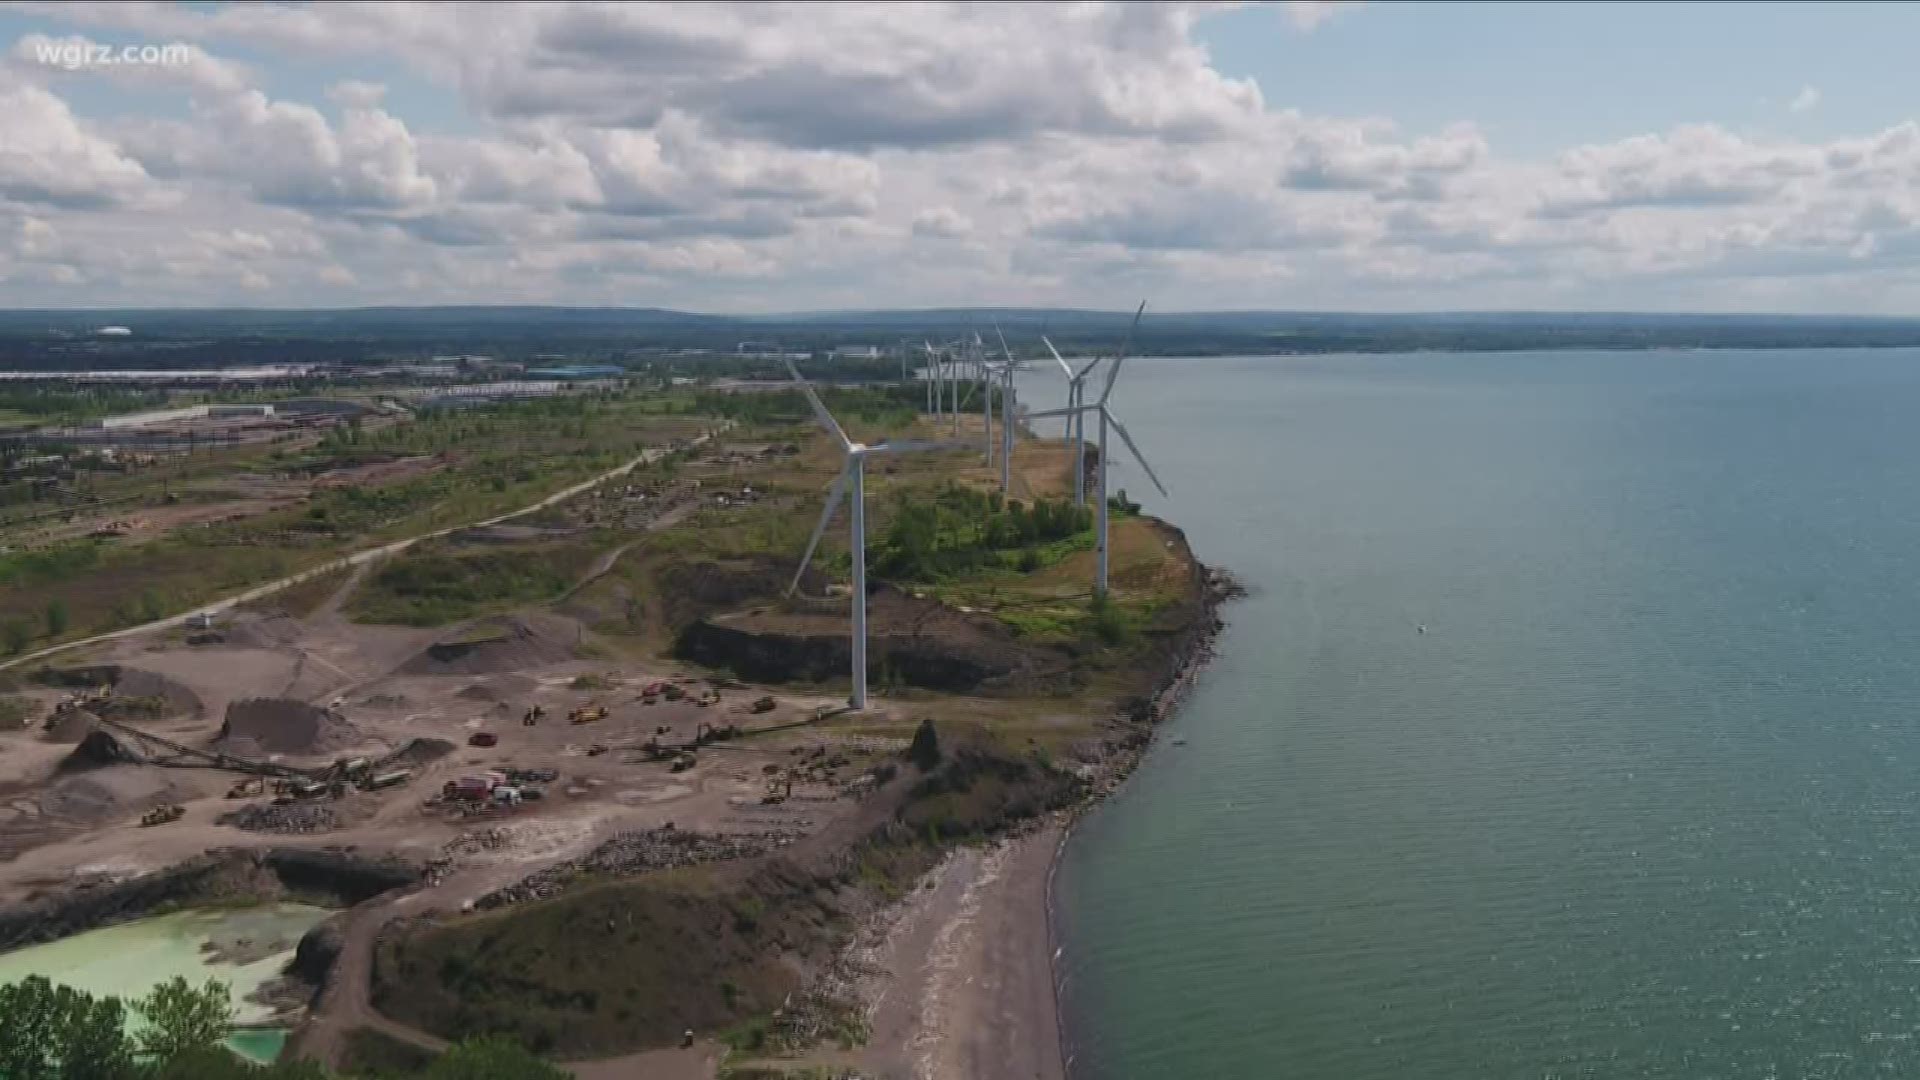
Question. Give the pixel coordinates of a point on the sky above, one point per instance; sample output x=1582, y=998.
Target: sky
x=785, y=157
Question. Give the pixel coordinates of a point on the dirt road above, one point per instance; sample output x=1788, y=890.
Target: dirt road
x=358, y=558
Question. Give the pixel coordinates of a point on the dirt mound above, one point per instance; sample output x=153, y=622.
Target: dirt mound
x=499, y=645
x=416, y=753
x=70, y=727
x=140, y=693
x=104, y=795
x=283, y=726
x=96, y=748
x=500, y=688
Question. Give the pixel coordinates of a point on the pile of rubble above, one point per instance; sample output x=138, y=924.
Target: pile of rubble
x=635, y=853
x=483, y=840
x=291, y=818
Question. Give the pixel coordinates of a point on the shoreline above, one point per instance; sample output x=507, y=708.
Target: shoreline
x=962, y=975
x=1219, y=587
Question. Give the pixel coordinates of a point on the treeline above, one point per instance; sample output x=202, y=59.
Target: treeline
x=882, y=406
x=51, y=1032
x=960, y=530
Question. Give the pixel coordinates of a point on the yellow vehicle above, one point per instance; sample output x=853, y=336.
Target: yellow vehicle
x=587, y=714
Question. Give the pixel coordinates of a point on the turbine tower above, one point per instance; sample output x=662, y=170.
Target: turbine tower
x=852, y=474
x=1107, y=418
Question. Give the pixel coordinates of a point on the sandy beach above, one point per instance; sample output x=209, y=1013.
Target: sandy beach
x=968, y=985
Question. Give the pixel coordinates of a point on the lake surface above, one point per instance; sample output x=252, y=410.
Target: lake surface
x=1642, y=800
x=128, y=960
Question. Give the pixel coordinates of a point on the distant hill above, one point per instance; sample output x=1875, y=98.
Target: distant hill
x=60, y=339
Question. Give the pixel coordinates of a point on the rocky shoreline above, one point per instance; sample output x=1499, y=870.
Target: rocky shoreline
x=1125, y=755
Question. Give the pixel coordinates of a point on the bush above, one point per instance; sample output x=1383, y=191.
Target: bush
x=924, y=751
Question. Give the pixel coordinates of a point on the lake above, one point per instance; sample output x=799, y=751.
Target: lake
x=1571, y=728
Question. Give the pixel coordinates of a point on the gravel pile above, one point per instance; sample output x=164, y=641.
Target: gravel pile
x=291, y=819
x=636, y=853
x=484, y=840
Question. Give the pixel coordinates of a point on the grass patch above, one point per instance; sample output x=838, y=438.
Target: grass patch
x=434, y=585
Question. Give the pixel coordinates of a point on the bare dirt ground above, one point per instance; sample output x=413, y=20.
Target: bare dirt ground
x=970, y=992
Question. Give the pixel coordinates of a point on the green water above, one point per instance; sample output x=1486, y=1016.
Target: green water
x=1643, y=800
x=128, y=960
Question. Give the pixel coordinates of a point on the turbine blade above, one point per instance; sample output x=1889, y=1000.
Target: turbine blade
x=1070, y=410
x=1085, y=371
x=1003, y=341
x=834, y=495
x=1057, y=359
x=1125, y=347
x=1137, y=455
x=819, y=410
x=916, y=446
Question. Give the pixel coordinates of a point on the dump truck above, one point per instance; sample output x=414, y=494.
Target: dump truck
x=161, y=815
x=764, y=704
x=587, y=714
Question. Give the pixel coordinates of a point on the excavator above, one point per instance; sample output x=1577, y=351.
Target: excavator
x=587, y=714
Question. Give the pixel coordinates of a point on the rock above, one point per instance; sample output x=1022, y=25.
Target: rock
x=319, y=947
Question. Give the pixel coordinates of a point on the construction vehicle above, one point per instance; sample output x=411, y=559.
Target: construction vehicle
x=162, y=815
x=483, y=738
x=682, y=762
x=707, y=698
x=534, y=716
x=596, y=749
x=587, y=714
x=763, y=705
x=391, y=778
x=712, y=733
x=251, y=786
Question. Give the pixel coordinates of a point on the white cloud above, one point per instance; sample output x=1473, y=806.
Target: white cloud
x=1309, y=14
x=1804, y=101
x=721, y=155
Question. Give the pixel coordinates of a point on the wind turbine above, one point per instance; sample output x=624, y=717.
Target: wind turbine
x=852, y=474
x=1006, y=369
x=1107, y=418
x=1076, y=394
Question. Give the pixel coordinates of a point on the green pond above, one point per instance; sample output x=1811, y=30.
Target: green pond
x=129, y=959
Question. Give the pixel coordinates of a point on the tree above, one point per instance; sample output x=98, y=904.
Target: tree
x=59, y=1033
x=56, y=617
x=180, y=1019
x=15, y=635
x=924, y=751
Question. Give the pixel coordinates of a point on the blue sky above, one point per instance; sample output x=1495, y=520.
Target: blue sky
x=1538, y=78
x=740, y=157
